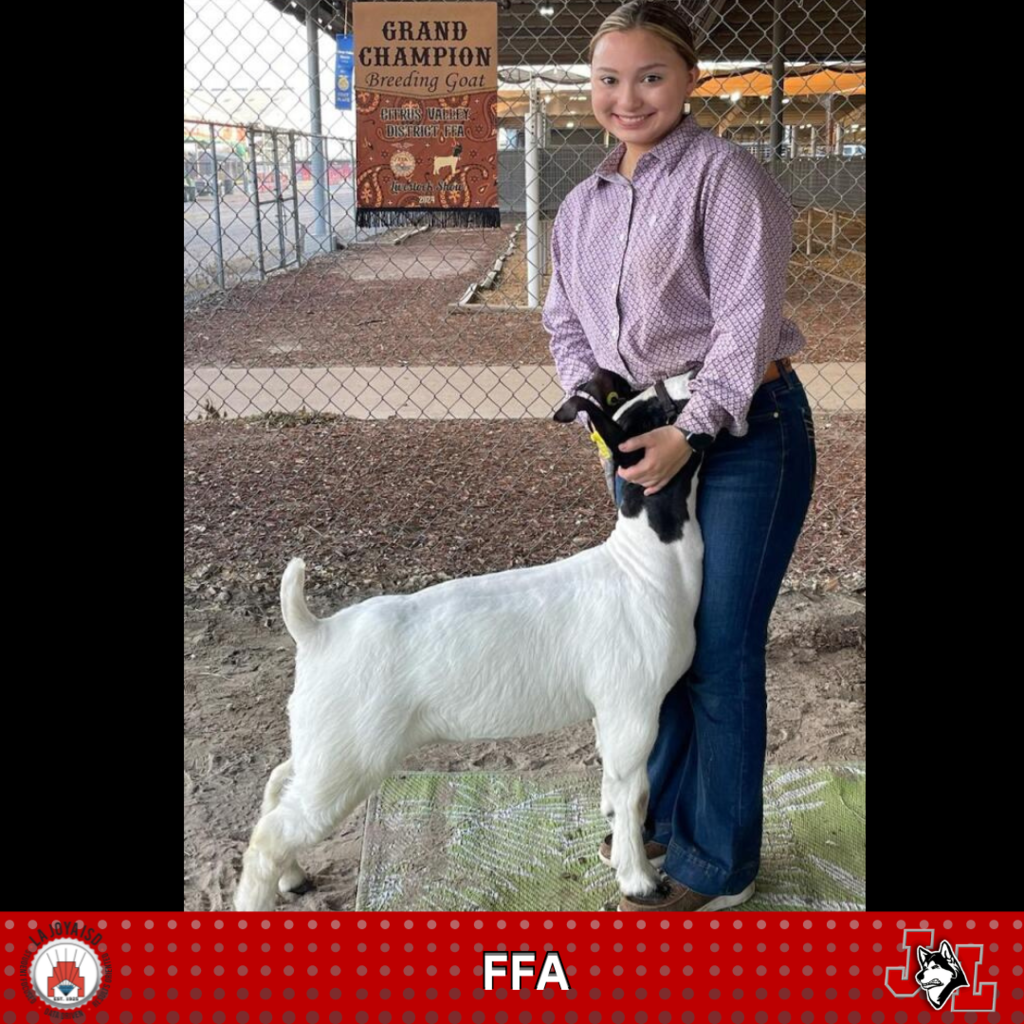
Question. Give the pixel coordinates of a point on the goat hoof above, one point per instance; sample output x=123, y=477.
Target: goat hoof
x=294, y=880
x=658, y=893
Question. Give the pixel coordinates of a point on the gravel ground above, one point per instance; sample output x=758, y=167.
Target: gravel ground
x=394, y=505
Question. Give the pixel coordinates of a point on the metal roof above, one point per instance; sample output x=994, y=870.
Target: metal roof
x=724, y=30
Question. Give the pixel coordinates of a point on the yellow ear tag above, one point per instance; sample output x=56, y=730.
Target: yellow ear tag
x=602, y=449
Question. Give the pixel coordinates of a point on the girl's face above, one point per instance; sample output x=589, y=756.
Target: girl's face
x=623, y=83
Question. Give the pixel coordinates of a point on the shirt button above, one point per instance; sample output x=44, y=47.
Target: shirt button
x=621, y=237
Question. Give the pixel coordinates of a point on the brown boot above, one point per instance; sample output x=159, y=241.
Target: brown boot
x=673, y=895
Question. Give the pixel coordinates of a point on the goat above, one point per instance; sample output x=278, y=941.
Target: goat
x=602, y=634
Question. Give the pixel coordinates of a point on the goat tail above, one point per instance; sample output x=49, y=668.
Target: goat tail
x=301, y=622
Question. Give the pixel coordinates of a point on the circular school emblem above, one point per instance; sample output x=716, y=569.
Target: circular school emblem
x=65, y=973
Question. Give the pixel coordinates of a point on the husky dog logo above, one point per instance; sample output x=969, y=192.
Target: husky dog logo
x=940, y=975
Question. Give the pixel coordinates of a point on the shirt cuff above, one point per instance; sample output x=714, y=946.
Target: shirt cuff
x=702, y=416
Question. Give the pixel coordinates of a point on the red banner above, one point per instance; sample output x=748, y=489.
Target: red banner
x=576, y=968
x=426, y=83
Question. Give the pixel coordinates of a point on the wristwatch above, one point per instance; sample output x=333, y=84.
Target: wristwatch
x=698, y=442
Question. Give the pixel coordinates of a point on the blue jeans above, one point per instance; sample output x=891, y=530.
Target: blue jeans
x=706, y=768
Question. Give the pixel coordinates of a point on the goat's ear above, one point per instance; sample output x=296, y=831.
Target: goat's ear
x=571, y=407
x=612, y=434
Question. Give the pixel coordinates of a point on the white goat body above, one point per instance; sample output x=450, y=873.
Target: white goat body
x=604, y=633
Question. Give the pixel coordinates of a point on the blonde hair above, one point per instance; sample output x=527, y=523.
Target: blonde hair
x=657, y=16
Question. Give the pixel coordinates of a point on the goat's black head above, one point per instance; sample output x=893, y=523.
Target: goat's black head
x=610, y=390
x=622, y=412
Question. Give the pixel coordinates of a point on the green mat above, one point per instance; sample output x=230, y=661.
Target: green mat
x=528, y=841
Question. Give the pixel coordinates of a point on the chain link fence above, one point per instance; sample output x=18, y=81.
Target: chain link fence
x=379, y=401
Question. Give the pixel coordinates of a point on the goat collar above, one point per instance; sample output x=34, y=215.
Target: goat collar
x=672, y=406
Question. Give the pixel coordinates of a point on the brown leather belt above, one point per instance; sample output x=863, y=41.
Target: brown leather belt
x=773, y=369
x=673, y=406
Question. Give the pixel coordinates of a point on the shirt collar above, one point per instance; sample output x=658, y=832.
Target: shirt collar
x=669, y=149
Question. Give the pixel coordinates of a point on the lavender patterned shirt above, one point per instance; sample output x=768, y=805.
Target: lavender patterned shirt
x=682, y=268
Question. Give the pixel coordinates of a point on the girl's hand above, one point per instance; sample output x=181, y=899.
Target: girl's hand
x=667, y=453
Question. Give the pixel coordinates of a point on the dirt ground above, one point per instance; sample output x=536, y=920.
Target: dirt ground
x=238, y=675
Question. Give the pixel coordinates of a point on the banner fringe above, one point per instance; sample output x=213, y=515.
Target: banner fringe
x=391, y=216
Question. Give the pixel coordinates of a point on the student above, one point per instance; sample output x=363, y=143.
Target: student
x=670, y=257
